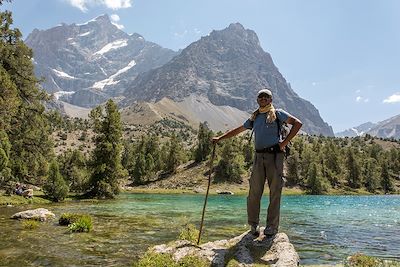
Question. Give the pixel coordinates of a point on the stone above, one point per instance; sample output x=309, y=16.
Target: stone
x=244, y=249
x=39, y=214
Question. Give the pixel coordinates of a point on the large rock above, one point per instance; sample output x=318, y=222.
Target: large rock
x=39, y=214
x=244, y=249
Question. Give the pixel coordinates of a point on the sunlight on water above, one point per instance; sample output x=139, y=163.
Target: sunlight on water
x=323, y=229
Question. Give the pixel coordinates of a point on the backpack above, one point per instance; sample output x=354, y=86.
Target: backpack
x=283, y=130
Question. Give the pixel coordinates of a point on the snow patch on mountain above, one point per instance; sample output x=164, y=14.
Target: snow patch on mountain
x=58, y=94
x=85, y=34
x=62, y=74
x=111, y=46
x=110, y=81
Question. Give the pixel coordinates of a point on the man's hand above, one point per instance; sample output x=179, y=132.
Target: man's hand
x=282, y=146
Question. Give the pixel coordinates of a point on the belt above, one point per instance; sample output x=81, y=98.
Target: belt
x=270, y=149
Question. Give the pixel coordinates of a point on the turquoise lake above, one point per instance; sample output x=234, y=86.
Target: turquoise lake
x=323, y=229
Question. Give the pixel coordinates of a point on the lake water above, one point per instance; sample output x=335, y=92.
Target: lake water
x=323, y=229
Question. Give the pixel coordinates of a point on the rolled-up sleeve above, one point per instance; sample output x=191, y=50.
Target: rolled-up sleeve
x=247, y=124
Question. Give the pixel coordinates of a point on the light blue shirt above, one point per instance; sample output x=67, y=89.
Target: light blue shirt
x=266, y=134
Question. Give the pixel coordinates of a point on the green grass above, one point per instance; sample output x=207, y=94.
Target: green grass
x=151, y=259
x=82, y=224
x=30, y=224
x=38, y=198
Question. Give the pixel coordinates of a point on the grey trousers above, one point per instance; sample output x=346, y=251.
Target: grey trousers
x=270, y=167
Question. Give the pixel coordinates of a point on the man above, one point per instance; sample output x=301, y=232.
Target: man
x=268, y=161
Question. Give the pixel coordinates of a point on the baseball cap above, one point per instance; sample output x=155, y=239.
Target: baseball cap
x=264, y=91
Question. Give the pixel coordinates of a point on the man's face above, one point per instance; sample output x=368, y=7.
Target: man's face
x=264, y=99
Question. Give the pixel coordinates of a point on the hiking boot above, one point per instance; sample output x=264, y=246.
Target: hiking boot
x=255, y=230
x=269, y=234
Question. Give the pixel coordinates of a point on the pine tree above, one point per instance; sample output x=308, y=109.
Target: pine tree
x=353, y=170
x=386, y=181
x=22, y=114
x=229, y=167
x=74, y=169
x=55, y=187
x=204, y=144
x=332, y=164
x=5, y=146
x=370, y=174
x=106, y=159
x=316, y=183
x=175, y=155
x=293, y=162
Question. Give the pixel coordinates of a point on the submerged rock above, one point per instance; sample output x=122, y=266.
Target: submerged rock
x=243, y=249
x=39, y=214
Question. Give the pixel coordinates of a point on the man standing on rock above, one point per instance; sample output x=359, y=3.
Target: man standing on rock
x=266, y=122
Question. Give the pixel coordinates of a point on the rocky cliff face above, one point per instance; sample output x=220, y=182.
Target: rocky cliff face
x=228, y=67
x=95, y=60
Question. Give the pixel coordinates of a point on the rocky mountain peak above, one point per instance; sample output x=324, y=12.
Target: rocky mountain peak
x=228, y=67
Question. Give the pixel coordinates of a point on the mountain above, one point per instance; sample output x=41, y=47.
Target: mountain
x=356, y=131
x=85, y=64
x=227, y=67
x=389, y=128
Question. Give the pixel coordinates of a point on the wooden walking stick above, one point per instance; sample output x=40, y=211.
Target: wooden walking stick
x=208, y=188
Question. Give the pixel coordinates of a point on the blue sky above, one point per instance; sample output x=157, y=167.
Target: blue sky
x=341, y=55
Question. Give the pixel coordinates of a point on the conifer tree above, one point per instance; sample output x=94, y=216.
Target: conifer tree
x=204, y=144
x=55, y=187
x=386, y=181
x=73, y=167
x=229, y=167
x=370, y=174
x=317, y=185
x=293, y=164
x=175, y=155
x=353, y=170
x=332, y=164
x=22, y=114
x=5, y=146
x=107, y=170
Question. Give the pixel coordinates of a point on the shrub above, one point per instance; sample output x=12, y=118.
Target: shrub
x=30, y=224
x=69, y=218
x=189, y=232
x=152, y=259
x=83, y=224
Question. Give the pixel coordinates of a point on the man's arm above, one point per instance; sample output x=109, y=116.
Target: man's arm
x=296, y=125
x=229, y=134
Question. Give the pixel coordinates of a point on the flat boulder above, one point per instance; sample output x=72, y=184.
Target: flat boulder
x=39, y=214
x=244, y=250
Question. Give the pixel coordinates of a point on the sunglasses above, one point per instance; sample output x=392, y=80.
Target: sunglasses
x=263, y=96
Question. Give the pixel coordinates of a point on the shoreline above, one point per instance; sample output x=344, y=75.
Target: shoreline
x=39, y=197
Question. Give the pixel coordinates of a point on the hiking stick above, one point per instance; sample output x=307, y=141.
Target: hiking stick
x=208, y=188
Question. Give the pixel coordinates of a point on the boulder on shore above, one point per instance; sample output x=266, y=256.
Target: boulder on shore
x=39, y=214
x=245, y=250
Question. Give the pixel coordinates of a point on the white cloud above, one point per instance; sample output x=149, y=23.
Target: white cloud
x=115, y=17
x=362, y=99
x=314, y=83
x=117, y=4
x=112, y=4
x=393, y=98
x=81, y=4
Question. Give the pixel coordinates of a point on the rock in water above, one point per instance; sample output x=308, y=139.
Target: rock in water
x=243, y=249
x=39, y=214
